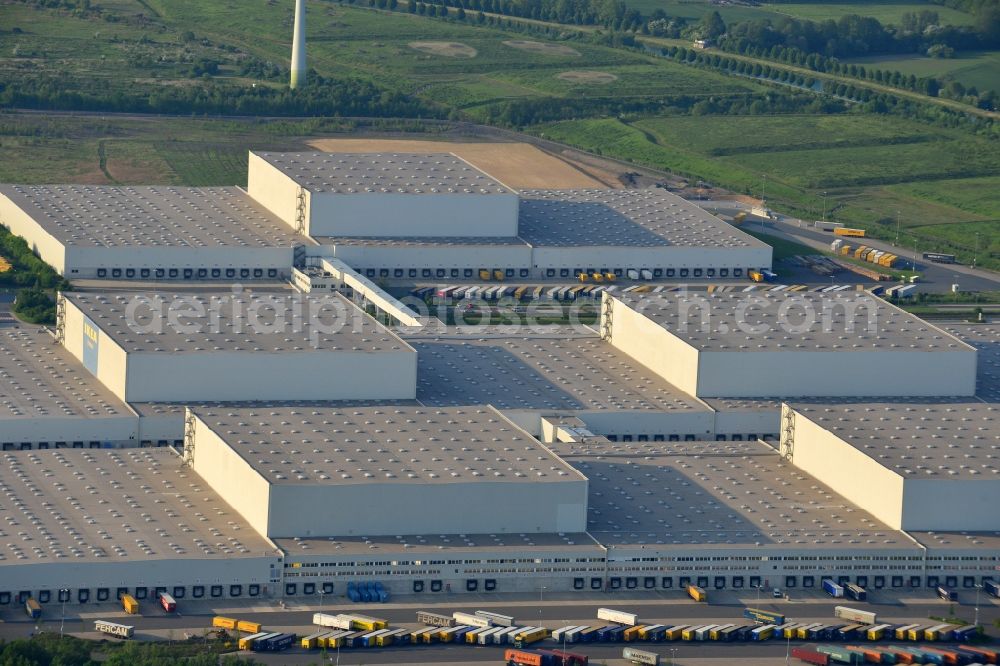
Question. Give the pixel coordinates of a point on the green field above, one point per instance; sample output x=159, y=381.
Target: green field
x=972, y=68
x=886, y=12
x=889, y=13
x=163, y=151
x=695, y=9
x=872, y=169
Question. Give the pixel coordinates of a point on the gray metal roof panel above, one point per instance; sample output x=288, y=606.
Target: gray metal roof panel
x=632, y=218
x=385, y=444
x=40, y=379
x=133, y=216
x=260, y=322
x=384, y=173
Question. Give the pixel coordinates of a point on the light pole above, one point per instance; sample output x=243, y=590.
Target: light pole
x=788, y=647
x=63, y=593
x=673, y=654
x=975, y=253
x=824, y=206
x=541, y=593
x=976, y=620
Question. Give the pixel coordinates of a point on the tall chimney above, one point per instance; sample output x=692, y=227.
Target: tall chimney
x=299, y=46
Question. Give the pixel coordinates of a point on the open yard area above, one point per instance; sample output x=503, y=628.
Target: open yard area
x=517, y=165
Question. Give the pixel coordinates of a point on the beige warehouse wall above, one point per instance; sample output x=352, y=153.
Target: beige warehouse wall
x=230, y=476
x=656, y=348
x=700, y=423
x=70, y=429
x=667, y=256
x=86, y=260
x=427, y=214
x=111, y=358
x=474, y=507
x=137, y=572
x=848, y=471
x=273, y=189
x=753, y=374
x=968, y=504
x=458, y=256
x=308, y=375
x=20, y=223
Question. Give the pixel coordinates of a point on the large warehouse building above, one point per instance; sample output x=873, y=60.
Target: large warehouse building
x=716, y=439
x=161, y=347
x=610, y=477
x=787, y=344
x=150, y=233
x=384, y=470
x=399, y=216
x=915, y=465
x=88, y=526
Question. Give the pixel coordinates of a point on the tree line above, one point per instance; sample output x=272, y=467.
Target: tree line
x=321, y=97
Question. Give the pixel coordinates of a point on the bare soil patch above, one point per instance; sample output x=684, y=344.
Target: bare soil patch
x=542, y=48
x=448, y=49
x=587, y=77
x=516, y=165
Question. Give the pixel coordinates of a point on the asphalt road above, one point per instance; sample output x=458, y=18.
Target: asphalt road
x=934, y=277
x=195, y=615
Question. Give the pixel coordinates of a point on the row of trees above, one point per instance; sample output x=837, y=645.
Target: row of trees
x=931, y=86
x=866, y=98
x=849, y=36
x=54, y=650
x=321, y=97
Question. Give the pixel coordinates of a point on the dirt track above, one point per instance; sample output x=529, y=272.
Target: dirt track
x=517, y=165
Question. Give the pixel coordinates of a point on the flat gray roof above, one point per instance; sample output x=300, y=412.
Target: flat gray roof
x=635, y=218
x=744, y=404
x=978, y=541
x=263, y=322
x=40, y=379
x=72, y=506
x=926, y=438
x=561, y=368
x=122, y=216
x=384, y=173
x=715, y=494
x=445, y=545
x=389, y=444
x=986, y=339
x=765, y=321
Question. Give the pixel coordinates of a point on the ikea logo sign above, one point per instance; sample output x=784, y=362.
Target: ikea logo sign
x=91, y=346
x=90, y=332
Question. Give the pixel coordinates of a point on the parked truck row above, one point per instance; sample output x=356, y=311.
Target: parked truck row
x=367, y=592
x=895, y=654
x=864, y=253
x=525, y=293
x=488, y=628
x=232, y=624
